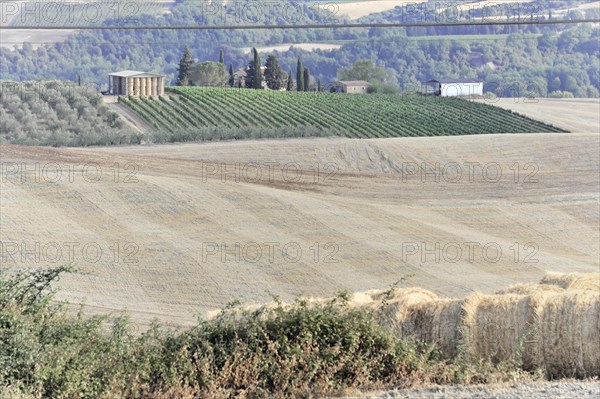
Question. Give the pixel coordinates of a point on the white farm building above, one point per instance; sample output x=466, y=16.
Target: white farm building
x=455, y=87
x=135, y=83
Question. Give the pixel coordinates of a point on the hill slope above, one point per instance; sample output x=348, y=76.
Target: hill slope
x=168, y=219
x=355, y=116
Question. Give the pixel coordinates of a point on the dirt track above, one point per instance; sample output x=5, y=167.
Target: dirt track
x=166, y=240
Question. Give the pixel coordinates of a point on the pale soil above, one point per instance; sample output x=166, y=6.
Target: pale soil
x=539, y=390
x=366, y=215
x=575, y=115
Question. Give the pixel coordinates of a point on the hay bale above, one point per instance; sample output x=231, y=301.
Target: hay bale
x=496, y=326
x=437, y=321
x=569, y=330
x=574, y=281
x=528, y=289
x=364, y=300
x=394, y=309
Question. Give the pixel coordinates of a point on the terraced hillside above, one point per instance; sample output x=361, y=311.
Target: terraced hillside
x=366, y=116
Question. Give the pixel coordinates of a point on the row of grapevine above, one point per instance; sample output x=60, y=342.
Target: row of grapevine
x=357, y=116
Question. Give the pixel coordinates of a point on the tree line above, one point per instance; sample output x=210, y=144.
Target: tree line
x=273, y=77
x=548, y=59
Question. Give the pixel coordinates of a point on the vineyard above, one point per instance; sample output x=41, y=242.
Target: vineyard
x=354, y=116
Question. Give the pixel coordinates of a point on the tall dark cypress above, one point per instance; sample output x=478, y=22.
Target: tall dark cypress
x=221, y=57
x=257, y=78
x=290, y=82
x=306, y=79
x=231, y=77
x=299, y=77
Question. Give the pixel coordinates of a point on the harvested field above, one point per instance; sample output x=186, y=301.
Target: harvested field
x=358, y=9
x=575, y=115
x=166, y=218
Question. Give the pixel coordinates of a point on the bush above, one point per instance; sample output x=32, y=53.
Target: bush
x=277, y=351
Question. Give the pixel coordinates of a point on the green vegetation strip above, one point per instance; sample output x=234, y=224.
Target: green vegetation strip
x=276, y=352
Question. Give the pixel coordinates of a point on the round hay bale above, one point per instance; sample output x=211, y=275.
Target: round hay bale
x=437, y=321
x=533, y=342
x=528, y=289
x=394, y=308
x=363, y=300
x=574, y=281
x=496, y=326
x=569, y=331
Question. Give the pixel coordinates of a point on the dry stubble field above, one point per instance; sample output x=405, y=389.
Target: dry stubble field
x=371, y=210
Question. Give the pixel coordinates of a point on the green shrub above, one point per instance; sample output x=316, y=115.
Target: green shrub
x=278, y=351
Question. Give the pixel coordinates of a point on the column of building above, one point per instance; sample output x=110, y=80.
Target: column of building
x=154, y=84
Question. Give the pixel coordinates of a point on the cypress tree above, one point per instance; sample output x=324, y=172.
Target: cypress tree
x=257, y=72
x=221, y=57
x=319, y=87
x=186, y=63
x=299, y=78
x=231, y=78
x=249, y=81
x=290, y=82
x=306, y=79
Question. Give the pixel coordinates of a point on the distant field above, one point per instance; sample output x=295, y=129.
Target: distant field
x=357, y=9
x=286, y=46
x=71, y=13
x=580, y=115
x=354, y=116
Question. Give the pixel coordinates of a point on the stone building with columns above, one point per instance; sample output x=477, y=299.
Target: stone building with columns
x=135, y=83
